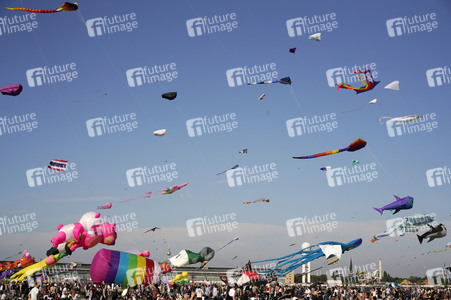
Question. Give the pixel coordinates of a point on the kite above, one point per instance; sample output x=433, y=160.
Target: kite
x=7, y=273
x=327, y=168
x=392, y=86
x=355, y=162
x=205, y=262
x=58, y=165
x=12, y=90
x=234, y=257
x=124, y=268
x=354, y=146
x=373, y=101
x=257, y=201
x=291, y=245
x=448, y=246
x=291, y=262
x=181, y=278
x=159, y=132
x=261, y=97
x=75, y=264
x=174, y=188
x=315, y=37
x=292, y=50
x=152, y=229
x=367, y=84
x=404, y=119
x=23, y=262
x=285, y=80
x=398, y=226
x=108, y=205
x=169, y=96
x=67, y=6
x=244, y=151
x=234, y=167
x=436, y=232
x=187, y=257
x=404, y=203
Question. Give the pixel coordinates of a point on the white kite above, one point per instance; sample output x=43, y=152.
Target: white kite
x=373, y=101
x=160, y=132
x=392, y=86
x=315, y=37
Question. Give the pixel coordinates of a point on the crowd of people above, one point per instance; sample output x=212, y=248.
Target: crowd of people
x=78, y=290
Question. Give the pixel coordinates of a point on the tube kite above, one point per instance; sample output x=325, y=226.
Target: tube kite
x=67, y=6
x=257, y=201
x=404, y=119
x=368, y=84
x=354, y=146
x=12, y=90
x=285, y=80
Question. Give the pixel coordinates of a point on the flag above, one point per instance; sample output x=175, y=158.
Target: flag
x=58, y=165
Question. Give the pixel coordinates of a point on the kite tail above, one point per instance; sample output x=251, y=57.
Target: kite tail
x=380, y=210
x=43, y=11
x=420, y=239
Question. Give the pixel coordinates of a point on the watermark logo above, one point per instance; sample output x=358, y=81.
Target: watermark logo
x=111, y=125
x=210, y=25
x=315, y=224
x=438, y=276
x=438, y=176
x=399, y=226
x=309, y=125
x=60, y=273
x=426, y=123
x=18, y=123
x=358, y=274
x=18, y=23
x=126, y=222
x=254, y=174
x=48, y=75
x=256, y=73
x=211, y=125
x=354, y=174
x=438, y=76
x=109, y=25
x=409, y=25
x=311, y=25
x=210, y=225
x=18, y=223
x=148, y=175
x=345, y=74
x=41, y=176
x=148, y=75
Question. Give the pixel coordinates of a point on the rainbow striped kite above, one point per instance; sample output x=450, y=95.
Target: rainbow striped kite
x=354, y=146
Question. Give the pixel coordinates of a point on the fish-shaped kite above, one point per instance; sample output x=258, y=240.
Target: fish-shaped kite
x=67, y=6
x=400, y=203
x=174, y=188
x=108, y=205
x=354, y=146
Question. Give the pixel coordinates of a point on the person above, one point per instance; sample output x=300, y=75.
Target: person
x=34, y=293
x=199, y=293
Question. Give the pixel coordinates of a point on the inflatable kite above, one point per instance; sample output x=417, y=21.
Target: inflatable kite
x=234, y=167
x=174, y=188
x=399, y=119
x=448, y=246
x=23, y=262
x=285, y=80
x=436, y=232
x=12, y=90
x=123, y=268
x=315, y=37
x=159, y=132
x=181, y=278
x=354, y=146
x=108, y=205
x=291, y=262
x=58, y=165
x=169, y=96
x=257, y=201
x=67, y=6
x=404, y=203
x=392, y=86
x=187, y=257
x=368, y=84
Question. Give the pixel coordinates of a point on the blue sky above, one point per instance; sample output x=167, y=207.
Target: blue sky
x=261, y=37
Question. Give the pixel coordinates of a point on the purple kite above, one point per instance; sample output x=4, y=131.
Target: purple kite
x=12, y=90
x=292, y=50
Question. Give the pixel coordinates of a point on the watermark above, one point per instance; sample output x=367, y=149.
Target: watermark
x=59, y=273
x=18, y=23
x=409, y=25
x=408, y=224
x=149, y=75
x=311, y=25
x=256, y=73
x=210, y=25
x=438, y=176
x=153, y=174
x=55, y=74
x=109, y=25
x=211, y=225
x=358, y=274
x=111, y=124
x=438, y=76
x=254, y=174
x=345, y=74
x=309, y=125
x=18, y=123
x=18, y=223
x=438, y=276
x=347, y=175
x=426, y=123
x=41, y=176
x=315, y=224
x=126, y=222
x=210, y=125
